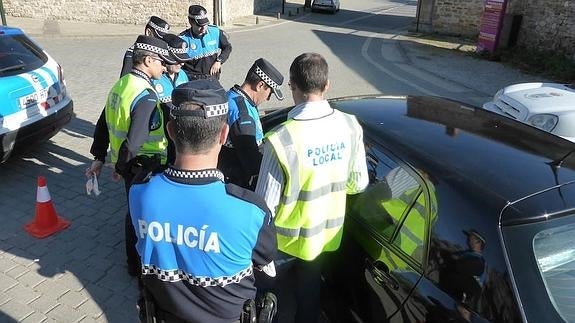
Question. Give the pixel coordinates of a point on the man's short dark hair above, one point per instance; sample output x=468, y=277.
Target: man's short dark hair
x=196, y=134
x=252, y=78
x=139, y=55
x=309, y=72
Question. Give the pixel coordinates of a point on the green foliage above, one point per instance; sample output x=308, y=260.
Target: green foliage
x=548, y=63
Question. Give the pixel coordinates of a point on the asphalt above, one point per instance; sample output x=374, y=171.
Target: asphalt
x=78, y=275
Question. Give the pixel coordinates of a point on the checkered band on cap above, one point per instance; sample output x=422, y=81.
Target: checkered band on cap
x=158, y=28
x=266, y=78
x=211, y=173
x=216, y=110
x=202, y=281
x=203, y=15
x=181, y=50
x=151, y=48
x=208, y=111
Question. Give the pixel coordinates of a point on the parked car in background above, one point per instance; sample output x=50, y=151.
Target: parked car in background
x=549, y=106
x=35, y=103
x=325, y=5
x=469, y=217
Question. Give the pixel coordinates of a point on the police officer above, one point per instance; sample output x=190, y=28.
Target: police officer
x=240, y=158
x=173, y=77
x=198, y=257
x=208, y=45
x=135, y=125
x=155, y=27
x=310, y=162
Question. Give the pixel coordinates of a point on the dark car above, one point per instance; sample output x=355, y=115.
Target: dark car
x=35, y=102
x=469, y=217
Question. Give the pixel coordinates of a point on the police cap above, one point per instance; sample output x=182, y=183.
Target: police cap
x=153, y=45
x=178, y=48
x=198, y=15
x=474, y=232
x=270, y=75
x=158, y=25
x=207, y=93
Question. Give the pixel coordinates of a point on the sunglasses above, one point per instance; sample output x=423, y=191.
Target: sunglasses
x=159, y=60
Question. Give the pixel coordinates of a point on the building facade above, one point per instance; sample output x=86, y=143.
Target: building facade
x=544, y=24
x=132, y=11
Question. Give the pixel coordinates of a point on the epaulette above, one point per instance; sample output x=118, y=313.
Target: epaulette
x=143, y=177
x=248, y=196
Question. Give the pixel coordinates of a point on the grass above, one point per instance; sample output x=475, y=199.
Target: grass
x=551, y=64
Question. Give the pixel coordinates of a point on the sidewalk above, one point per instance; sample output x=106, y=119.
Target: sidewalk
x=40, y=27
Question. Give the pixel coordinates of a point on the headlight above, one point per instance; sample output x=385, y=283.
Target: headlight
x=497, y=95
x=546, y=122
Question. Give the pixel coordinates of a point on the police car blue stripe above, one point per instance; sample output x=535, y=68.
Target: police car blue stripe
x=13, y=87
x=41, y=79
x=50, y=71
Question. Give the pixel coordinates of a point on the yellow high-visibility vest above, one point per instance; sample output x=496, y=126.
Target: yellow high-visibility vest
x=315, y=156
x=118, y=119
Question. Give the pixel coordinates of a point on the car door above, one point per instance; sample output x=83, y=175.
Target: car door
x=384, y=244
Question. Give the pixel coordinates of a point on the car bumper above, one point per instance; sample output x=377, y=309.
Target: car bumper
x=323, y=7
x=38, y=131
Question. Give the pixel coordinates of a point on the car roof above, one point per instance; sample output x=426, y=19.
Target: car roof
x=494, y=156
x=5, y=30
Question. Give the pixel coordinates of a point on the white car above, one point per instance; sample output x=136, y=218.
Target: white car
x=548, y=106
x=327, y=5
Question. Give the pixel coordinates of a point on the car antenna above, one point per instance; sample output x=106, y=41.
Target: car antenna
x=555, y=165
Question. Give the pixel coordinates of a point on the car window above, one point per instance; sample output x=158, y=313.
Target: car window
x=412, y=231
x=18, y=54
x=383, y=205
x=555, y=254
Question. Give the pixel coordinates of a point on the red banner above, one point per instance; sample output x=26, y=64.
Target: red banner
x=491, y=24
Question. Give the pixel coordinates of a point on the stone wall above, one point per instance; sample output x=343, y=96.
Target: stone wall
x=457, y=17
x=548, y=24
x=129, y=11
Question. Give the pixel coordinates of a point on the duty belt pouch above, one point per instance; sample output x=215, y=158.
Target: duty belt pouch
x=249, y=312
x=145, y=163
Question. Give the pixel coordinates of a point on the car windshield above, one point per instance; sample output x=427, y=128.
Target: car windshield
x=18, y=54
x=555, y=254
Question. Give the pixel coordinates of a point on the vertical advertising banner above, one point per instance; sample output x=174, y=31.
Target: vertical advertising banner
x=491, y=25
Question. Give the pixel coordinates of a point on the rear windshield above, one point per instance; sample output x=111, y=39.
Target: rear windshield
x=554, y=251
x=18, y=54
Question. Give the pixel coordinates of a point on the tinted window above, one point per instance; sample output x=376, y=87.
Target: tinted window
x=412, y=231
x=555, y=253
x=387, y=200
x=18, y=54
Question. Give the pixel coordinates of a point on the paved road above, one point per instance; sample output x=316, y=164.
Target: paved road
x=79, y=274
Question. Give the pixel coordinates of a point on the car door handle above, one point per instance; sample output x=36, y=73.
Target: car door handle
x=381, y=274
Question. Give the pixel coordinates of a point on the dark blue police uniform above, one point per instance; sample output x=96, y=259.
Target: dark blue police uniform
x=200, y=239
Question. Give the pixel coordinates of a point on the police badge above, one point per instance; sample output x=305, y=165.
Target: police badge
x=159, y=88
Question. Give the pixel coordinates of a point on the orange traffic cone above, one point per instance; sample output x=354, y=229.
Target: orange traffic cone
x=46, y=222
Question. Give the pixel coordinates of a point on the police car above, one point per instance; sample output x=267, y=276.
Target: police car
x=35, y=103
x=548, y=106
